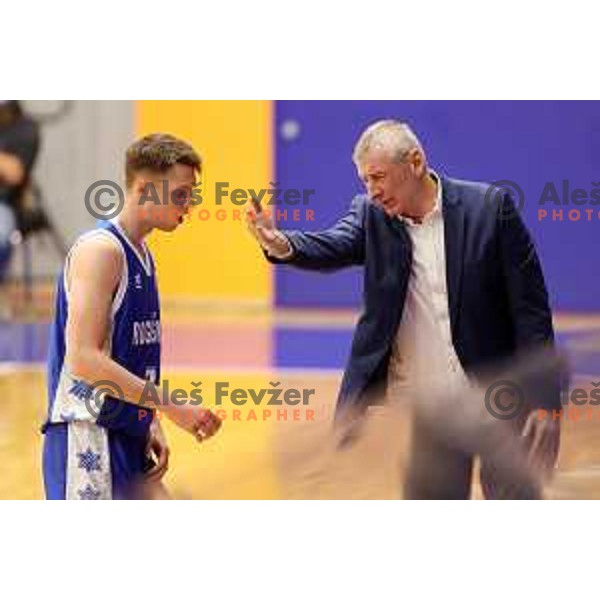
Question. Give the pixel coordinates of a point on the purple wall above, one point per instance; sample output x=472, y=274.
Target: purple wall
x=527, y=142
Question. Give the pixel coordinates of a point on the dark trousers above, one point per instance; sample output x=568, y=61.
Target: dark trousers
x=439, y=469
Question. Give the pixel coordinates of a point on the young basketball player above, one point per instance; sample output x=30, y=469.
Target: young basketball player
x=107, y=329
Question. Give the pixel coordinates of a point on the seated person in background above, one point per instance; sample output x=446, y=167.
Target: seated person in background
x=19, y=142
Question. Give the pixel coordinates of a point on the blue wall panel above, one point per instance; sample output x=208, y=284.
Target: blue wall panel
x=527, y=142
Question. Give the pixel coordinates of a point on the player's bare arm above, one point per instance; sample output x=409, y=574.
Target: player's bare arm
x=92, y=279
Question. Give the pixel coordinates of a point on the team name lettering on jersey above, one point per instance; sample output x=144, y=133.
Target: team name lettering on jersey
x=146, y=332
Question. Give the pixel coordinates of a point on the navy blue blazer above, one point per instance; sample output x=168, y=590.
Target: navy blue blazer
x=496, y=292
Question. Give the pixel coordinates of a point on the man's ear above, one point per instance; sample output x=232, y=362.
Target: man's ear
x=417, y=162
x=137, y=186
x=145, y=188
x=359, y=173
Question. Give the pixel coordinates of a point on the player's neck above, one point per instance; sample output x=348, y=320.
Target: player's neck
x=134, y=227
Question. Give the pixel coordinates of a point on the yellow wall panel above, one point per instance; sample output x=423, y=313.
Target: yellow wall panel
x=215, y=259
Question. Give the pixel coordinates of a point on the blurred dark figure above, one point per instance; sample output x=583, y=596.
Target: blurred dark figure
x=19, y=143
x=498, y=420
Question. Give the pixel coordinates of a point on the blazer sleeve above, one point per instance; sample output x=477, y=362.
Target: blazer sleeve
x=526, y=292
x=342, y=245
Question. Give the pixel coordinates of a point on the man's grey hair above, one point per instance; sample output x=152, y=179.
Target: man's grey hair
x=391, y=136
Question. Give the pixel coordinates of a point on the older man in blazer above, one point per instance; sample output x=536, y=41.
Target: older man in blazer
x=452, y=285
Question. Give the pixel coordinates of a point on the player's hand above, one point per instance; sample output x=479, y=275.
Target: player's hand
x=261, y=226
x=542, y=437
x=200, y=422
x=157, y=448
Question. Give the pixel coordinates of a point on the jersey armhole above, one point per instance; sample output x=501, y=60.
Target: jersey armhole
x=119, y=293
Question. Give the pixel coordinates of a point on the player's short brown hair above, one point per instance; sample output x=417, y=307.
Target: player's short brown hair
x=157, y=153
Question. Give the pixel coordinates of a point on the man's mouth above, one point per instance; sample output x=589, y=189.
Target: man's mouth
x=183, y=214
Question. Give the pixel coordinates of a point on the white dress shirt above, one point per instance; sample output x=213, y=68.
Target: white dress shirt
x=423, y=355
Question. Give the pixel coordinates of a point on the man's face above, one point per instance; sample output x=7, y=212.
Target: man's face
x=392, y=185
x=174, y=190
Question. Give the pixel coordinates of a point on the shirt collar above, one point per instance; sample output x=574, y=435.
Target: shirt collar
x=437, y=207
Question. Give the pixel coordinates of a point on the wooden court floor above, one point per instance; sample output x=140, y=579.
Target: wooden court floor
x=270, y=456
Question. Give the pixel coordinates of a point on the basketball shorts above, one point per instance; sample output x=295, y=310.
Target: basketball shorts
x=84, y=461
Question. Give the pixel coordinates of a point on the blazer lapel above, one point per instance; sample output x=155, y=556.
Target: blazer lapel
x=403, y=240
x=454, y=238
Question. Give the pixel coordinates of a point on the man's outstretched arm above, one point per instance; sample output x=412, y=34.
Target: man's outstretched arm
x=339, y=246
